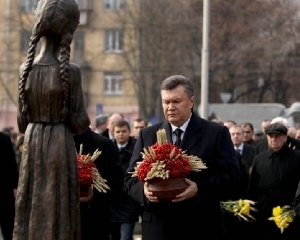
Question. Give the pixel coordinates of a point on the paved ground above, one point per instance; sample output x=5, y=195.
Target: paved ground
x=138, y=230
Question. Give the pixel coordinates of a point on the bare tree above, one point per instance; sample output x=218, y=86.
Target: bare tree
x=16, y=23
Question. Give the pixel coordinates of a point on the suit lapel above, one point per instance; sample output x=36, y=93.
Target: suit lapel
x=192, y=134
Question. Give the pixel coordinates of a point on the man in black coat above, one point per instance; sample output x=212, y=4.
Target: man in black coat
x=273, y=182
x=8, y=183
x=195, y=213
x=125, y=212
x=95, y=213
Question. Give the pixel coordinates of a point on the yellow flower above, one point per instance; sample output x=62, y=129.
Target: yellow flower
x=277, y=211
x=245, y=207
x=240, y=208
x=283, y=216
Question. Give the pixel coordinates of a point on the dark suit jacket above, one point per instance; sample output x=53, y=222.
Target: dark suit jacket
x=96, y=212
x=8, y=170
x=126, y=209
x=105, y=134
x=201, y=215
x=249, y=152
x=8, y=182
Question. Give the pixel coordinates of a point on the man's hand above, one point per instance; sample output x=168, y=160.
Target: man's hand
x=189, y=192
x=149, y=195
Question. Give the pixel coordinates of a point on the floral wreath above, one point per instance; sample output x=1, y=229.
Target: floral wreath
x=88, y=173
x=164, y=160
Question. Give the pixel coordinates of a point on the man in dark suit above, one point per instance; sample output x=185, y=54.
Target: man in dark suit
x=8, y=183
x=95, y=211
x=124, y=214
x=247, y=151
x=196, y=212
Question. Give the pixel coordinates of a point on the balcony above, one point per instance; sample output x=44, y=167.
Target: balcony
x=85, y=6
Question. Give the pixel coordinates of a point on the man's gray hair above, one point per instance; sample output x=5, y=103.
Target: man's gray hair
x=176, y=80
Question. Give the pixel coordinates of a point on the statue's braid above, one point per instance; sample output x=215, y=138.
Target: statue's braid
x=27, y=67
x=64, y=71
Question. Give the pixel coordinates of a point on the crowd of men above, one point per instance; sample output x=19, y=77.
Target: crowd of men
x=271, y=166
x=269, y=161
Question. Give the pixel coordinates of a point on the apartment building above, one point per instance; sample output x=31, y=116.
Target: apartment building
x=98, y=46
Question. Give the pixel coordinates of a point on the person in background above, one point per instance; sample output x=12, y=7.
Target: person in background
x=292, y=132
x=19, y=149
x=137, y=125
x=10, y=131
x=248, y=132
x=247, y=151
x=195, y=213
x=101, y=123
x=264, y=124
x=217, y=121
x=125, y=212
x=234, y=227
x=110, y=124
x=8, y=186
x=290, y=142
x=229, y=122
x=274, y=178
x=94, y=210
x=13, y=135
x=258, y=135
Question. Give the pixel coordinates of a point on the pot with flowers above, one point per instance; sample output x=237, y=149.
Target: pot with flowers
x=165, y=166
x=88, y=174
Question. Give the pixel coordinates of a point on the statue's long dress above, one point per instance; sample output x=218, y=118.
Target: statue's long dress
x=47, y=203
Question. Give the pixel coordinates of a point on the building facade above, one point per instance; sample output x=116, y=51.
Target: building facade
x=97, y=47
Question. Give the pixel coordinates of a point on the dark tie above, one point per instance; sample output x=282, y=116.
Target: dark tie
x=178, y=132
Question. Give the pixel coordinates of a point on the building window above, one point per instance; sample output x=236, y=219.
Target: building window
x=113, y=84
x=28, y=5
x=78, y=46
x=113, y=40
x=24, y=40
x=84, y=4
x=114, y=5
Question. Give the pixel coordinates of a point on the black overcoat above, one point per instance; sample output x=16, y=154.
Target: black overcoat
x=273, y=182
x=95, y=214
x=199, y=217
x=8, y=182
x=125, y=210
